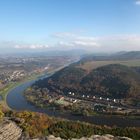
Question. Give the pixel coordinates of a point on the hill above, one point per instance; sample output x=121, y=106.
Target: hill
x=113, y=81
x=68, y=77
x=111, y=76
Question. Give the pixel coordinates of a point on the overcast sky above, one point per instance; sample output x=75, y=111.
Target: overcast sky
x=98, y=25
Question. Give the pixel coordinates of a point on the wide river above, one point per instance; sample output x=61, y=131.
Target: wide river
x=16, y=101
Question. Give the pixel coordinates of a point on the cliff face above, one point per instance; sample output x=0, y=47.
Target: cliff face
x=9, y=130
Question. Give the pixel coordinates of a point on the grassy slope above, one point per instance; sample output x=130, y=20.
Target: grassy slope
x=95, y=64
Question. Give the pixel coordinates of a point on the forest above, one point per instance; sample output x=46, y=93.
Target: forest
x=110, y=81
x=39, y=125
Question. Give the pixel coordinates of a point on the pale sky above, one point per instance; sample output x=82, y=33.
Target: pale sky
x=97, y=25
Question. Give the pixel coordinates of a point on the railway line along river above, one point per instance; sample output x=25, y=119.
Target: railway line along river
x=16, y=101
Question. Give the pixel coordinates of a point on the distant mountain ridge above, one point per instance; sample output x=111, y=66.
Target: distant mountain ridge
x=117, y=56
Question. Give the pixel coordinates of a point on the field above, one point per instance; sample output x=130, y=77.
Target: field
x=95, y=64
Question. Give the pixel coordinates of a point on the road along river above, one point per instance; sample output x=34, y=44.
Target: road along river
x=16, y=101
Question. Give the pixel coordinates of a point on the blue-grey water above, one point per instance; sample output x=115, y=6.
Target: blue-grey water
x=16, y=101
x=0, y=97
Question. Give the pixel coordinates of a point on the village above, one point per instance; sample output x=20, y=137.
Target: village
x=97, y=104
x=16, y=68
x=75, y=103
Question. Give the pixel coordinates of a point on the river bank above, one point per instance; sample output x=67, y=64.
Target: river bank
x=17, y=101
x=30, y=78
x=4, y=92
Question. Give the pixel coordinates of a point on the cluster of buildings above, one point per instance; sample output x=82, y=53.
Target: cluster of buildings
x=14, y=76
x=94, y=97
x=94, y=103
x=61, y=100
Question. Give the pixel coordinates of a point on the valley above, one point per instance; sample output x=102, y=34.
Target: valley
x=109, y=89
x=69, y=69
x=59, y=94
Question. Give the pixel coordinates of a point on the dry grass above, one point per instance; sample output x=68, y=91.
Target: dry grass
x=95, y=64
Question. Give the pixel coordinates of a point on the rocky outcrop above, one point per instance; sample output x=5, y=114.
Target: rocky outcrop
x=94, y=137
x=9, y=130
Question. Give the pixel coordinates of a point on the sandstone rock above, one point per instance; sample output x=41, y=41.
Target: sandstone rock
x=124, y=138
x=9, y=131
x=58, y=138
x=83, y=138
x=51, y=137
x=109, y=136
x=93, y=137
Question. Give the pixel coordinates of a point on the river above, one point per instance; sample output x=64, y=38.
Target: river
x=16, y=101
